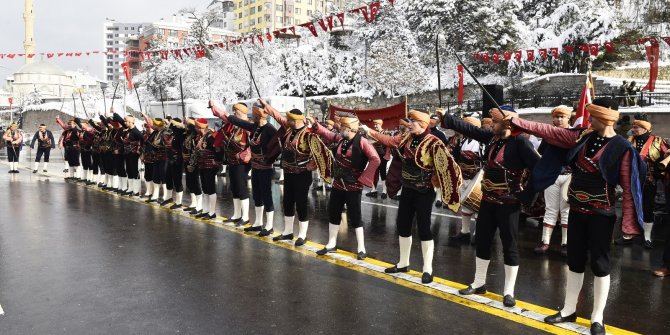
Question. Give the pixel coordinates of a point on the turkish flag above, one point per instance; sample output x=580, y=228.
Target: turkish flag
x=584, y=47
x=543, y=53
x=292, y=29
x=496, y=58
x=530, y=55
x=652, y=57
x=507, y=55
x=477, y=56
x=60, y=54
x=485, y=57
x=311, y=27
x=594, y=48
x=164, y=54
x=126, y=71
x=260, y=39
x=323, y=25
x=517, y=56
x=554, y=52
x=340, y=17
x=200, y=53
x=78, y=54
x=666, y=39
x=609, y=46
x=50, y=55
x=569, y=48
x=268, y=37
x=374, y=10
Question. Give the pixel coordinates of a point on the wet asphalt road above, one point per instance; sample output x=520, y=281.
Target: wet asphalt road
x=74, y=260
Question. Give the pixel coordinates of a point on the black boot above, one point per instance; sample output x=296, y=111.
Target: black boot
x=509, y=301
x=396, y=269
x=265, y=232
x=470, y=290
x=597, y=329
x=426, y=278
x=283, y=237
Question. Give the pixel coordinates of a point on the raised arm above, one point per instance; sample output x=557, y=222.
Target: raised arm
x=325, y=134
x=468, y=130
x=148, y=122
x=219, y=112
x=246, y=125
x=61, y=123
x=560, y=137
x=385, y=140
x=368, y=176
x=275, y=114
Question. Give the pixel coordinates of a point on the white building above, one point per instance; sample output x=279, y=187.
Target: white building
x=226, y=16
x=45, y=80
x=115, y=36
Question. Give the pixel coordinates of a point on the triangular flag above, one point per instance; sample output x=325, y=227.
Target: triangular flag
x=330, y=22
x=200, y=53
x=374, y=10
x=323, y=25
x=569, y=48
x=496, y=58
x=477, y=56
x=268, y=37
x=340, y=17
x=485, y=57
x=50, y=55
x=311, y=27
x=666, y=39
x=292, y=29
x=260, y=39
x=391, y=1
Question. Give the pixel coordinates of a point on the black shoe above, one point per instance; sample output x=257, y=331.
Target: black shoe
x=239, y=222
x=361, y=256
x=151, y=200
x=438, y=204
x=623, y=241
x=396, y=269
x=175, y=206
x=283, y=237
x=45, y=171
x=34, y=171
x=265, y=232
x=597, y=329
x=188, y=209
x=469, y=290
x=426, y=278
x=384, y=196
x=194, y=212
x=325, y=251
x=299, y=242
x=252, y=229
x=460, y=237
x=509, y=301
x=648, y=244
x=371, y=194
x=211, y=217
x=231, y=220
x=165, y=202
x=202, y=215
x=137, y=195
x=557, y=318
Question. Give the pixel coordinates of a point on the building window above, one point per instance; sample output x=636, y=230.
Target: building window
x=280, y=8
x=289, y=8
x=288, y=20
x=110, y=70
x=225, y=24
x=309, y=2
x=252, y=11
x=240, y=26
x=239, y=6
x=309, y=13
x=110, y=43
x=279, y=19
x=259, y=20
x=297, y=21
x=297, y=11
x=239, y=16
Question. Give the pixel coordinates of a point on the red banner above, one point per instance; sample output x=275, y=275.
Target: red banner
x=391, y=115
x=554, y=52
x=652, y=56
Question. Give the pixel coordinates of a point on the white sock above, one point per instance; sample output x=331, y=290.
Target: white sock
x=288, y=225
x=244, y=207
x=405, y=248
x=510, y=279
x=302, y=232
x=333, y=229
x=481, y=268
x=212, y=204
x=165, y=192
x=71, y=172
x=438, y=193
x=258, y=222
x=269, y=220
x=157, y=191
x=236, y=209
x=204, y=202
x=198, y=202
x=281, y=174
x=193, y=200
x=601, y=288
x=427, y=250
x=150, y=188
x=138, y=186
x=546, y=234
x=178, y=197
x=465, y=223
x=45, y=165
x=115, y=182
x=564, y=235
x=383, y=187
x=360, y=240
x=572, y=288
x=36, y=165
x=124, y=183
x=647, y=230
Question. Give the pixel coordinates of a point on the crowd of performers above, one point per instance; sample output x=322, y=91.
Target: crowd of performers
x=489, y=170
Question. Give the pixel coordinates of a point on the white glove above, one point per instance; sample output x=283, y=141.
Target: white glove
x=365, y=128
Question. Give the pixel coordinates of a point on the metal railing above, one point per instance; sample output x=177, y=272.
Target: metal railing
x=641, y=99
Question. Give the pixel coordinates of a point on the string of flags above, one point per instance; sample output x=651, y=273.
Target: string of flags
x=369, y=13
x=592, y=49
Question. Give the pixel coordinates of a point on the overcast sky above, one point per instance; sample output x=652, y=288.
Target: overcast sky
x=75, y=25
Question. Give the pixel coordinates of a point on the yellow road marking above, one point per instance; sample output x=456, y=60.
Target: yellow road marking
x=508, y=315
